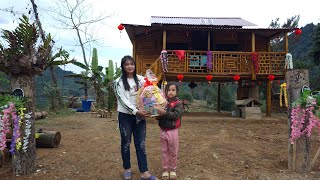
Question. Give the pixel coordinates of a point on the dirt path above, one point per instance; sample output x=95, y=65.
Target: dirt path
x=212, y=146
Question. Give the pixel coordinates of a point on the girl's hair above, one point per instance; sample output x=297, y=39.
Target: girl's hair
x=124, y=73
x=170, y=84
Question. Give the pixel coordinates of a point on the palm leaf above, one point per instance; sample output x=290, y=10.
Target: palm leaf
x=81, y=65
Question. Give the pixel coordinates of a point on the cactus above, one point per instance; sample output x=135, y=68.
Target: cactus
x=94, y=63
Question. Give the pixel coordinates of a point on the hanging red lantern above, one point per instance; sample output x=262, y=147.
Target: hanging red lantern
x=209, y=78
x=236, y=77
x=271, y=77
x=297, y=32
x=278, y=82
x=180, y=77
x=120, y=27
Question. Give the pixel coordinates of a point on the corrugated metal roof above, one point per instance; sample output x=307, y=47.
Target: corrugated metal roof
x=210, y=21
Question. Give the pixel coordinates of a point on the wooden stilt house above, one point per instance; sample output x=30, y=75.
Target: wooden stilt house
x=234, y=46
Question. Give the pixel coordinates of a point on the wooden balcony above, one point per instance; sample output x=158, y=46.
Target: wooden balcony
x=225, y=64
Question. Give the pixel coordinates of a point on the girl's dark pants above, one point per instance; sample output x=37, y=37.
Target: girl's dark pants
x=127, y=127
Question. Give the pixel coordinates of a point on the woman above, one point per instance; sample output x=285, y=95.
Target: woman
x=131, y=119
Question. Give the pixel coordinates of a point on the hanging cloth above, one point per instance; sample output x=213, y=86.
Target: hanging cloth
x=180, y=54
x=164, y=60
x=209, y=60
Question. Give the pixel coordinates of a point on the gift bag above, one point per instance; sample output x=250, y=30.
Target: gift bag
x=150, y=97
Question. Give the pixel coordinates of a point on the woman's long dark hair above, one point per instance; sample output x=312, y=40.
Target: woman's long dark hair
x=124, y=73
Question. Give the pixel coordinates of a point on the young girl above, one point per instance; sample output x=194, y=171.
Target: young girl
x=126, y=90
x=169, y=122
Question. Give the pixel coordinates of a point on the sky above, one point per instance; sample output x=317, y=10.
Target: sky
x=111, y=44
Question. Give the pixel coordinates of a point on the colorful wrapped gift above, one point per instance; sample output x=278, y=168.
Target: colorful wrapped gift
x=150, y=97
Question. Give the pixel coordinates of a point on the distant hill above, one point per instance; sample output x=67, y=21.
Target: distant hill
x=300, y=47
x=66, y=84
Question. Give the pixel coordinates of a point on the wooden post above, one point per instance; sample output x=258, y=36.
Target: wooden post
x=269, y=46
x=253, y=42
x=219, y=98
x=164, y=40
x=253, y=49
x=134, y=55
x=286, y=43
x=298, y=155
x=239, y=92
x=268, y=106
x=209, y=40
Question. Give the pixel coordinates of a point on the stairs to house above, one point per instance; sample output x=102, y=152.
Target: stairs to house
x=156, y=69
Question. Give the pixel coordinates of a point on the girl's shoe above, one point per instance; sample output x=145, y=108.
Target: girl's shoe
x=165, y=175
x=173, y=175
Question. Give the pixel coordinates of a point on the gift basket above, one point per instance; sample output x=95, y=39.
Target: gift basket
x=150, y=97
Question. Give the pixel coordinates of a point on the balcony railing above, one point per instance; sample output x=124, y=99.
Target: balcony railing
x=227, y=62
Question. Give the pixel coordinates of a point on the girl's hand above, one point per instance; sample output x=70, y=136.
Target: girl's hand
x=143, y=113
x=161, y=111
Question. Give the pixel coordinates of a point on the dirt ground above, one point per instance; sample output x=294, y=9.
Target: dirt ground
x=212, y=146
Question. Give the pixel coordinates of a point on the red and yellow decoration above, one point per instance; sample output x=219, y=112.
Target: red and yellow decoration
x=180, y=54
x=271, y=77
x=283, y=89
x=180, y=77
x=236, y=77
x=255, y=61
x=209, y=78
x=298, y=32
x=120, y=27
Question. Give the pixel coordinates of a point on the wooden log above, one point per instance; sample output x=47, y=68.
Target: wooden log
x=48, y=139
x=299, y=155
x=40, y=115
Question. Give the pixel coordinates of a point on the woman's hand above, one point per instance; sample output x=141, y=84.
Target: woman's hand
x=143, y=113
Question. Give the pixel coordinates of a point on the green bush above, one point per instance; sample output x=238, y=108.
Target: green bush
x=186, y=96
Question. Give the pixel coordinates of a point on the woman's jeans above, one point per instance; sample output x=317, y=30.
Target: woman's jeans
x=127, y=127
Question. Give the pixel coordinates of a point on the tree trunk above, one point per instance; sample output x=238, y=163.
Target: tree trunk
x=24, y=162
x=56, y=101
x=299, y=154
x=85, y=88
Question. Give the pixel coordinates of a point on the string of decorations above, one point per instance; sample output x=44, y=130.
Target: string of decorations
x=4, y=127
x=10, y=117
x=255, y=61
x=283, y=89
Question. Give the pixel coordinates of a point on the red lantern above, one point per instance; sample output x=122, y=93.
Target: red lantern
x=236, y=77
x=180, y=77
x=209, y=78
x=120, y=27
x=271, y=77
x=278, y=82
x=297, y=32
